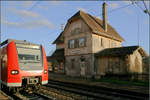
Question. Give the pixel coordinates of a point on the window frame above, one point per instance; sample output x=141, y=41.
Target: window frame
x=84, y=42
x=69, y=44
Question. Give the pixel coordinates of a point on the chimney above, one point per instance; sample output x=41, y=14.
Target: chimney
x=105, y=17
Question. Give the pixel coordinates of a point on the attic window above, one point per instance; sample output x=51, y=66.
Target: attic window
x=76, y=31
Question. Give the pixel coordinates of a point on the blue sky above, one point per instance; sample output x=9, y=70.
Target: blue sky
x=40, y=21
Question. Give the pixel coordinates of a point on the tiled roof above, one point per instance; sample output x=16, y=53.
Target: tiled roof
x=95, y=24
x=118, y=51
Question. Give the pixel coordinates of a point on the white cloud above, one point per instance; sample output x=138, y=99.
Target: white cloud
x=29, y=24
x=81, y=9
x=33, y=20
x=113, y=5
x=24, y=13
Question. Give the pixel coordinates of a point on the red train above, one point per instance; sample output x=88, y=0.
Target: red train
x=23, y=64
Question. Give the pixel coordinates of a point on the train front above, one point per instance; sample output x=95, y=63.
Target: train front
x=32, y=68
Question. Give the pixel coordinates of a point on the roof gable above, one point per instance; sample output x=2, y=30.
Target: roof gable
x=59, y=39
x=95, y=24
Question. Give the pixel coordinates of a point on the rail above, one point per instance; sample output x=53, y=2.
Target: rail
x=97, y=92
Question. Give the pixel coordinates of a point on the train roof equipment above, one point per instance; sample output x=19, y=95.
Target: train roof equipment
x=18, y=42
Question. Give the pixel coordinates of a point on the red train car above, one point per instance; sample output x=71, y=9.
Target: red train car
x=23, y=64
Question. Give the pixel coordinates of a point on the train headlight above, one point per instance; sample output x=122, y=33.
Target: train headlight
x=45, y=71
x=14, y=72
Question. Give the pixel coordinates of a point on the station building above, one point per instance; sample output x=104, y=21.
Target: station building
x=89, y=46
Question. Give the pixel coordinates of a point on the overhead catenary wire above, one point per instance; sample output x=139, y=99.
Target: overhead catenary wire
x=139, y=6
x=146, y=11
x=30, y=8
x=34, y=5
x=22, y=17
x=120, y=8
x=116, y=9
x=145, y=5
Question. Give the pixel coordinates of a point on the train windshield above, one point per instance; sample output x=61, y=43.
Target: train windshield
x=30, y=57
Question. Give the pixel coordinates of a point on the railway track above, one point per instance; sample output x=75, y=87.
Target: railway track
x=33, y=96
x=4, y=96
x=27, y=96
x=96, y=93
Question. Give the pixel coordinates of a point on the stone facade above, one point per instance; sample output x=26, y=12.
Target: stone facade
x=79, y=65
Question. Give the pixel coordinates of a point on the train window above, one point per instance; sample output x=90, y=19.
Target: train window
x=26, y=57
x=29, y=58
